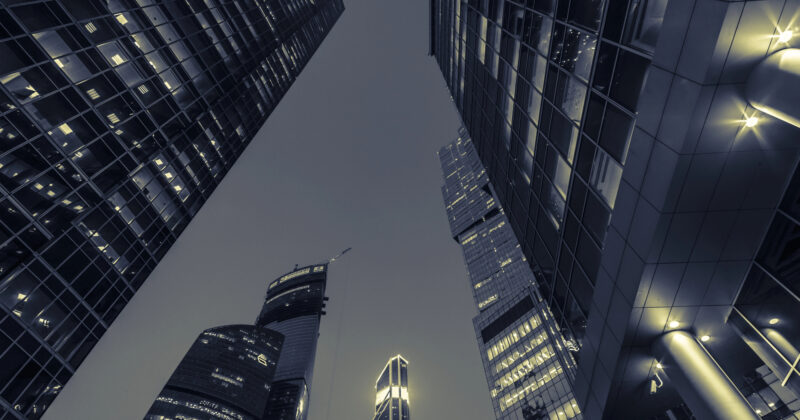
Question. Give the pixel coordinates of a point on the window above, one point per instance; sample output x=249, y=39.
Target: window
x=644, y=23
x=605, y=177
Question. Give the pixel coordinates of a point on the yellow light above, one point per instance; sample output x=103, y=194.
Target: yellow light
x=751, y=121
x=771, y=405
x=658, y=365
x=774, y=321
x=705, y=338
x=674, y=324
x=785, y=36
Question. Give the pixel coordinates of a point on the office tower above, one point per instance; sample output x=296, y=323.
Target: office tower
x=226, y=374
x=528, y=367
x=118, y=119
x=391, y=391
x=640, y=150
x=294, y=307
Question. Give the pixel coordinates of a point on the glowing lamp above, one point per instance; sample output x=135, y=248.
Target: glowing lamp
x=674, y=324
x=774, y=321
x=750, y=122
x=785, y=36
x=705, y=338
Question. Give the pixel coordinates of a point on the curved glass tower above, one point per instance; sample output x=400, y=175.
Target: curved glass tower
x=226, y=374
x=391, y=391
x=293, y=307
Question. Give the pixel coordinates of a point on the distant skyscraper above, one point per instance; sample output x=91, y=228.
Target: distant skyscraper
x=640, y=150
x=391, y=391
x=117, y=121
x=293, y=307
x=525, y=358
x=260, y=372
x=226, y=374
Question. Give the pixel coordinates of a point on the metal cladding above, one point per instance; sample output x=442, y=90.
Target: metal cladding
x=774, y=86
x=226, y=374
x=118, y=119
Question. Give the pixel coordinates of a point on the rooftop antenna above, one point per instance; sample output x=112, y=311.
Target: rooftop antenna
x=339, y=255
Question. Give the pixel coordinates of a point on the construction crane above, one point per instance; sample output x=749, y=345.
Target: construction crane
x=340, y=254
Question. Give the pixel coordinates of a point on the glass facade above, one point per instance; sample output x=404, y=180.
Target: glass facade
x=639, y=179
x=528, y=365
x=226, y=374
x=294, y=305
x=118, y=118
x=391, y=391
x=767, y=311
x=548, y=90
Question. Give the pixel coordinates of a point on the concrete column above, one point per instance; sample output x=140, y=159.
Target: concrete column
x=774, y=86
x=699, y=381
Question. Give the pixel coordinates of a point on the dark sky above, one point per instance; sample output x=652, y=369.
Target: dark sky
x=348, y=159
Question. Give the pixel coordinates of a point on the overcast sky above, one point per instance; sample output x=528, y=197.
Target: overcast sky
x=348, y=159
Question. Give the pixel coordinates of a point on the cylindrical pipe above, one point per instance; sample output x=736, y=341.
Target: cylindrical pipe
x=781, y=343
x=699, y=381
x=774, y=86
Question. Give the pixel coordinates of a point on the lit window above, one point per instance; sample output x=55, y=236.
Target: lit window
x=93, y=94
x=113, y=118
x=143, y=89
x=66, y=129
x=121, y=18
x=117, y=59
x=90, y=27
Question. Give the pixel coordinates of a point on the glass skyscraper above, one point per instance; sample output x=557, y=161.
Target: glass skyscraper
x=640, y=150
x=226, y=374
x=118, y=118
x=253, y=372
x=527, y=363
x=391, y=391
x=294, y=307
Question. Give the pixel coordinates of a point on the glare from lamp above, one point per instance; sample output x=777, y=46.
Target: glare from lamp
x=658, y=365
x=785, y=36
x=674, y=324
x=705, y=338
x=751, y=121
x=774, y=321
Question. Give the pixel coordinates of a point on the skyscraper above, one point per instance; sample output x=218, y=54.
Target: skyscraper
x=117, y=121
x=226, y=374
x=391, y=391
x=294, y=307
x=640, y=150
x=259, y=372
x=526, y=361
